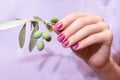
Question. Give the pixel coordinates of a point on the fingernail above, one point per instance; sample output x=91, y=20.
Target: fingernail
x=65, y=43
x=59, y=25
x=60, y=38
x=75, y=46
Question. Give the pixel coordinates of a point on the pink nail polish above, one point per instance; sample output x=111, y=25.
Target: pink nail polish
x=65, y=43
x=59, y=25
x=60, y=38
x=75, y=46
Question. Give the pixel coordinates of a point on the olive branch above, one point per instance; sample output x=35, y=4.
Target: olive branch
x=36, y=33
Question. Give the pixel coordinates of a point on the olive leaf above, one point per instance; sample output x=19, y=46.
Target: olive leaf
x=22, y=36
x=38, y=19
x=11, y=24
x=34, y=23
x=31, y=24
x=33, y=41
x=48, y=26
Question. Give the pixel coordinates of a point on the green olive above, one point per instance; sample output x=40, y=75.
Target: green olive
x=40, y=46
x=46, y=36
x=37, y=34
x=54, y=20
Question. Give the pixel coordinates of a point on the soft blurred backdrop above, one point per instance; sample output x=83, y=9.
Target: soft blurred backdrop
x=54, y=62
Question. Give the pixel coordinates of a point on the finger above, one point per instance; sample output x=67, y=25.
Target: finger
x=68, y=20
x=104, y=37
x=85, y=32
x=77, y=25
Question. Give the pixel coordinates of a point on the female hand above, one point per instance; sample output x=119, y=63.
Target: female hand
x=88, y=36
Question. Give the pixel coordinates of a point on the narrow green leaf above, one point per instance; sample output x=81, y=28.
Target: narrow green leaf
x=38, y=19
x=22, y=36
x=34, y=23
x=33, y=41
x=11, y=24
x=31, y=25
x=48, y=26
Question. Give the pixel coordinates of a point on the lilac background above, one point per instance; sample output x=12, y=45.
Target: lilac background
x=55, y=62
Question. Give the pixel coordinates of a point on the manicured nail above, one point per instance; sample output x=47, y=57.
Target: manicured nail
x=60, y=38
x=59, y=25
x=75, y=46
x=65, y=43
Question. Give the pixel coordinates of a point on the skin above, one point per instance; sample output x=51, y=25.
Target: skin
x=94, y=39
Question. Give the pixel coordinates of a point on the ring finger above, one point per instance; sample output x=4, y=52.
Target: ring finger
x=84, y=33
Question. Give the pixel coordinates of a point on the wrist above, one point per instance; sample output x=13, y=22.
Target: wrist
x=107, y=67
x=110, y=71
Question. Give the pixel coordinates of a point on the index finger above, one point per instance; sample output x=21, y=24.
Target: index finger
x=66, y=21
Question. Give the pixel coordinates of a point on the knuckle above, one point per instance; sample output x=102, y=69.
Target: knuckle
x=110, y=34
x=89, y=28
x=82, y=20
x=95, y=37
x=99, y=18
x=104, y=25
